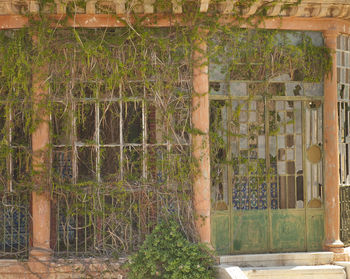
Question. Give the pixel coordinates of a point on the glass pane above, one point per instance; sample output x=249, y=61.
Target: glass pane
x=248, y=162
x=110, y=123
x=85, y=115
x=180, y=121
x=218, y=147
x=86, y=164
x=110, y=163
x=62, y=165
x=132, y=122
x=21, y=164
x=20, y=130
x=287, y=171
x=132, y=164
x=61, y=124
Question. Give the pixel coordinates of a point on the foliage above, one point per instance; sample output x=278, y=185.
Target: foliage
x=262, y=55
x=137, y=78
x=166, y=253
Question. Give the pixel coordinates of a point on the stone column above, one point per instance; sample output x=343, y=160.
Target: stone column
x=40, y=146
x=200, y=139
x=331, y=153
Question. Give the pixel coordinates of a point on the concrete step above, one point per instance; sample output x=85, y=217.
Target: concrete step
x=278, y=259
x=282, y=272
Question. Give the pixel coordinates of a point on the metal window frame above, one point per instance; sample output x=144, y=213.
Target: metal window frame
x=97, y=145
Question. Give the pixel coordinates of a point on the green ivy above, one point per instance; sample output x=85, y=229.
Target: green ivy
x=167, y=254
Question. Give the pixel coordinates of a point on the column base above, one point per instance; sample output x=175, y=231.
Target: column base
x=40, y=254
x=336, y=246
x=39, y=262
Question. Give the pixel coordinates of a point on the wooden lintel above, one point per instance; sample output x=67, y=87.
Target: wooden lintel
x=165, y=20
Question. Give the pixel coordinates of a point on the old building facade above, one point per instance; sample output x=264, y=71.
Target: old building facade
x=289, y=202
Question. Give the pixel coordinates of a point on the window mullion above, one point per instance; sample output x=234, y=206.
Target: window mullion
x=121, y=133
x=144, y=136
x=74, y=144
x=10, y=159
x=97, y=140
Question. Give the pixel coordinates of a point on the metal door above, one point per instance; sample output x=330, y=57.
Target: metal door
x=267, y=174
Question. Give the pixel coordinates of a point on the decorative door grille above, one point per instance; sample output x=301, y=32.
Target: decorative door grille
x=343, y=75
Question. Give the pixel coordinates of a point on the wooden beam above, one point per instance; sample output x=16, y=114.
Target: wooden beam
x=164, y=20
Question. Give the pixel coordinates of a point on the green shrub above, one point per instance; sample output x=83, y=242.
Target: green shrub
x=166, y=253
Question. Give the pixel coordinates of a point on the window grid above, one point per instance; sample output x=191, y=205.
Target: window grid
x=14, y=208
x=71, y=236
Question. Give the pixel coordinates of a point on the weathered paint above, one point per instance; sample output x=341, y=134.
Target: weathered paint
x=250, y=231
x=331, y=163
x=288, y=230
x=220, y=225
x=41, y=195
x=315, y=229
x=200, y=141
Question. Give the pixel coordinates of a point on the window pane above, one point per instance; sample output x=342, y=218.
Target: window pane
x=62, y=165
x=85, y=113
x=132, y=122
x=132, y=164
x=110, y=123
x=61, y=124
x=86, y=164
x=19, y=125
x=21, y=165
x=110, y=163
x=133, y=89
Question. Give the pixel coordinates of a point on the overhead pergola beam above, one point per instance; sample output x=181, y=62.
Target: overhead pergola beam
x=306, y=8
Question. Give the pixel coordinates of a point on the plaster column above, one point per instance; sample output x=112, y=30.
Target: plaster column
x=200, y=139
x=40, y=146
x=331, y=153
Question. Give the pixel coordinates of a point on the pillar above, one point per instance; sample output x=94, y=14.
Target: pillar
x=40, y=146
x=331, y=153
x=200, y=139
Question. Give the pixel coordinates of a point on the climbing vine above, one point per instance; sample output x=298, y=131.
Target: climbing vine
x=120, y=108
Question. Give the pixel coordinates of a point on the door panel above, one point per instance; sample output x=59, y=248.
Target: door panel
x=220, y=224
x=250, y=231
x=288, y=230
x=315, y=229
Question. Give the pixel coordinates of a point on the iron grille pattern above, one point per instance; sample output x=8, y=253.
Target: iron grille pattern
x=15, y=170
x=343, y=75
x=345, y=214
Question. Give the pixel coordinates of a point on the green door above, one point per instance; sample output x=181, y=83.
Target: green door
x=266, y=158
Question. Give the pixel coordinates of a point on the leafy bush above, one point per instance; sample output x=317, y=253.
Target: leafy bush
x=166, y=253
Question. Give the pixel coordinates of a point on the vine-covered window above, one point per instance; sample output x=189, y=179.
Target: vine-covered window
x=15, y=180
x=120, y=130
x=15, y=144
